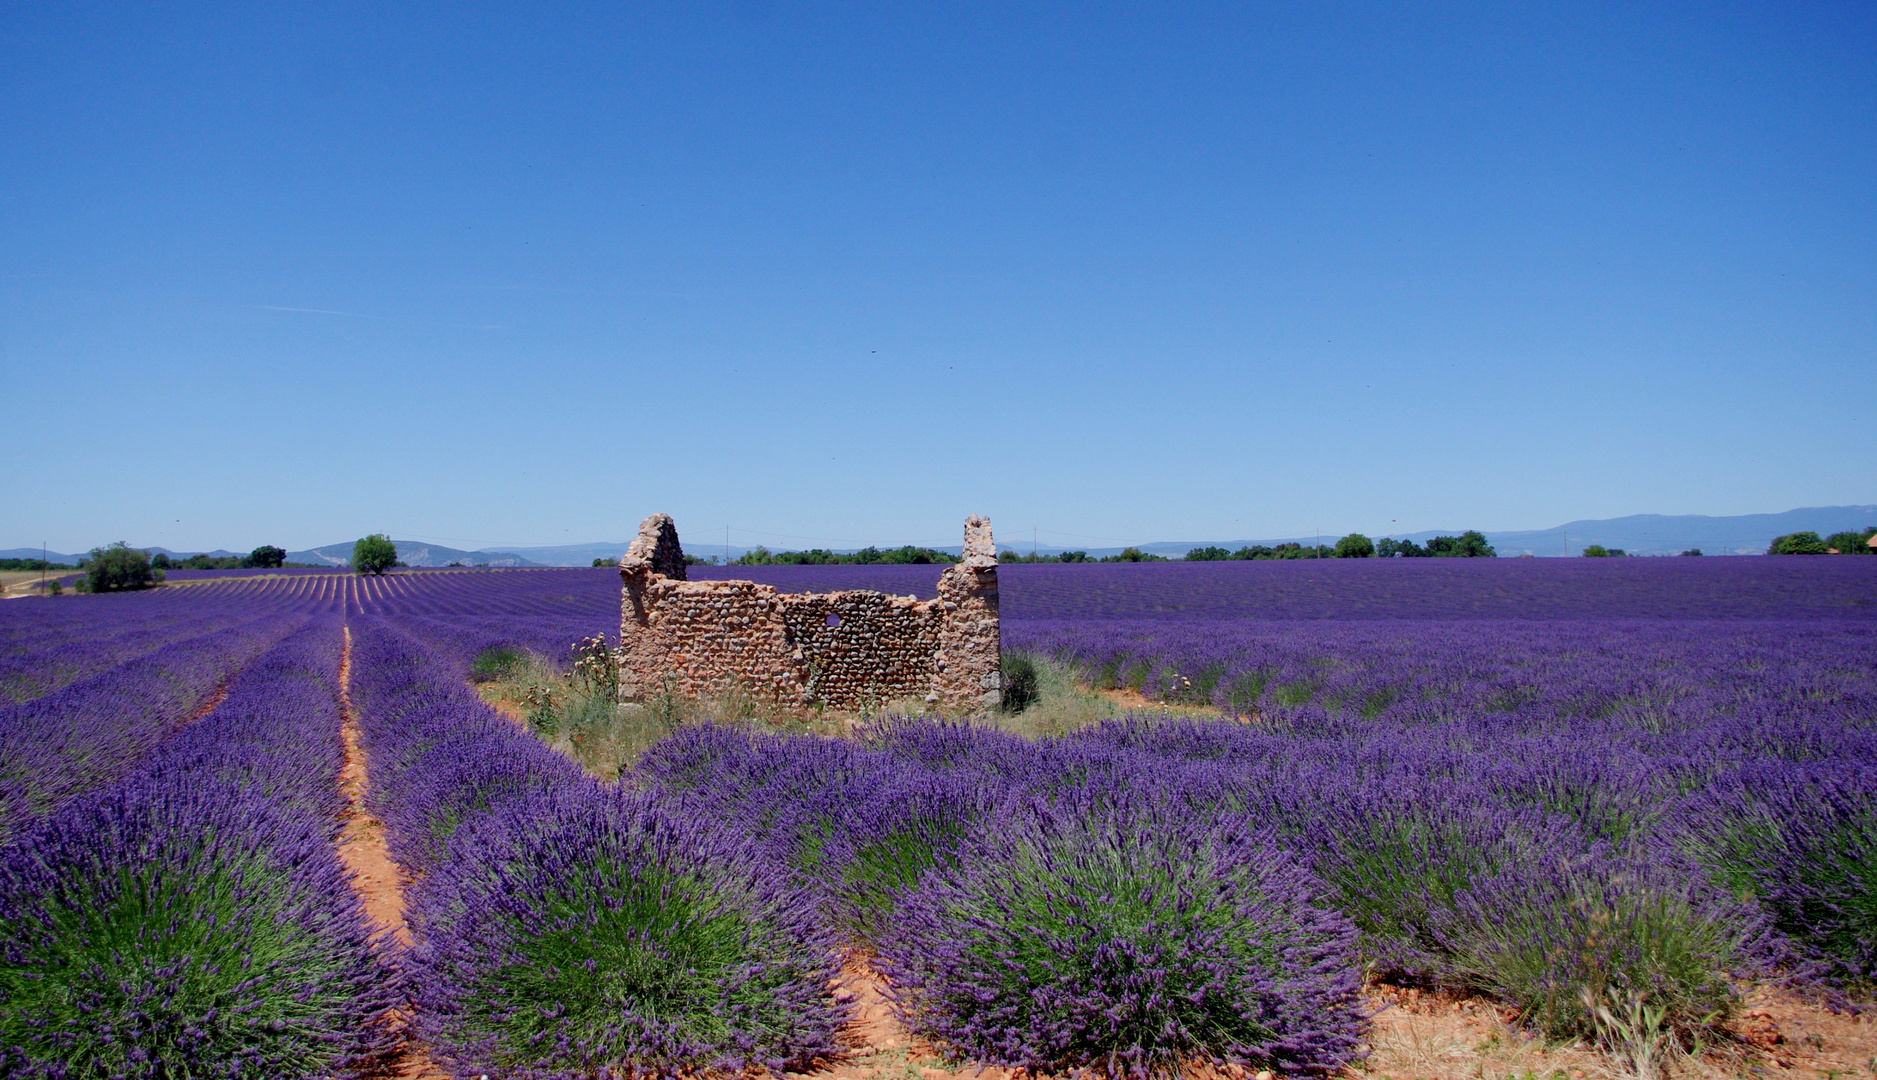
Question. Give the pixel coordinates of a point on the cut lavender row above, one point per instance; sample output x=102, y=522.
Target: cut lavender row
x=194, y=919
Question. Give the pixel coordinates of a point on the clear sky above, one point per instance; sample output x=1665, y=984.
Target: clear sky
x=524, y=273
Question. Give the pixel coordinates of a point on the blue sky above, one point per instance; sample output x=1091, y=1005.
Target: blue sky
x=522, y=274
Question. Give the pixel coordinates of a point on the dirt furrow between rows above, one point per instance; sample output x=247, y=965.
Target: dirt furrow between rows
x=375, y=875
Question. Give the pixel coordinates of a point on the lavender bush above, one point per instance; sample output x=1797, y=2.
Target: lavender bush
x=1802, y=838
x=1560, y=936
x=1130, y=943
x=582, y=932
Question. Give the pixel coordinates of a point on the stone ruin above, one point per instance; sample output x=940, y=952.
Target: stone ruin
x=846, y=650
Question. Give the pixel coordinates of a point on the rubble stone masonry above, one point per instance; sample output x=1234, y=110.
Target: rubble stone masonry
x=845, y=650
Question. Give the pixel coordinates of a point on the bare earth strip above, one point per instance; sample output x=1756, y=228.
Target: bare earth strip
x=378, y=880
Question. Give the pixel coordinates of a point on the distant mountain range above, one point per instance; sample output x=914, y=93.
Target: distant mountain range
x=1642, y=534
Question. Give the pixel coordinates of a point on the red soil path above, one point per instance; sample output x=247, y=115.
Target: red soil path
x=377, y=878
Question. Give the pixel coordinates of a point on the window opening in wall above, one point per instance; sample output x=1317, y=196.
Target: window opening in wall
x=833, y=619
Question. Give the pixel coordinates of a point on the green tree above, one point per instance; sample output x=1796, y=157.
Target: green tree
x=374, y=554
x=1404, y=549
x=1596, y=551
x=267, y=556
x=1468, y=545
x=1355, y=546
x=1207, y=554
x=1799, y=543
x=120, y=566
x=1849, y=543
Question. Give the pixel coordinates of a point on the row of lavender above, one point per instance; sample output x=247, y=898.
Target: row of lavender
x=566, y=928
x=193, y=918
x=92, y=731
x=1510, y=674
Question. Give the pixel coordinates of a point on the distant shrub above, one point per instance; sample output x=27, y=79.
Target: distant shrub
x=119, y=566
x=1598, y=551
x=1468, y=545
x=31, y=564
x=1692, y=551
x=374, y=554
x=605, y=562
x=267, y=556
x=1133, y=554
x=1130, y=944
x=1799, y=543
x=1020, y=689
x=1355, y=546
x=1849, y=543
x=868, y=556
x=1058, y=557
x=1400, y=549
x=1207, y=554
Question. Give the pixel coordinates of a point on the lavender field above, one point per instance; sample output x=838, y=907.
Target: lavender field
x=1608, y=796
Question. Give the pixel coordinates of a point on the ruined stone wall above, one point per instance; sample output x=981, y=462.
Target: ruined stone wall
x=843, y=649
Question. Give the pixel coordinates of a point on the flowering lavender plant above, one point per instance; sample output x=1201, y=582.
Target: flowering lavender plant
x=1131, y=942
x=585, y=932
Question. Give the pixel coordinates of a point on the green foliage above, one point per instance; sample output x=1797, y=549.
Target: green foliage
x=1355, y=546
x=1799, y=543
x=1692, y=551
x=267, y=556
x=1207, y=554
x=630, y=942
x=235, y=978
x=1587, y=961
x=868, y=556
x=1405, y=549
x=1059, y=557
x=501, y=662
x=32, y=564
x=53, y=588
x=1133, y=554
x=374, y=554
x=1598, y=551
x=1020, y=682
x=119, y=566
x=1470, y=544
x=1849, y=543
x=608, y=562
